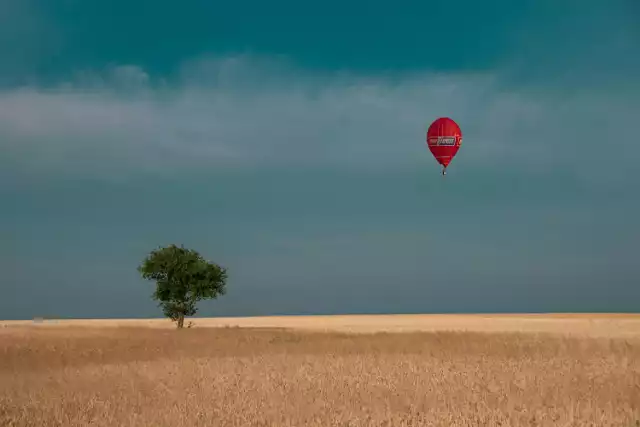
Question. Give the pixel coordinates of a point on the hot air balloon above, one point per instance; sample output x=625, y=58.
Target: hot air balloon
x=443, y=138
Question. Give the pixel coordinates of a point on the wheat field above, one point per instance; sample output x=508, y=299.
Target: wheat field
x=100, y=373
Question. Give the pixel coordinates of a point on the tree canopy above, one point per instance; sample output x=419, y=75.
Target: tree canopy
x=183, y=277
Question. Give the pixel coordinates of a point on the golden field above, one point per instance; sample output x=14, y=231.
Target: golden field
x=438, y=370
x=606, y=325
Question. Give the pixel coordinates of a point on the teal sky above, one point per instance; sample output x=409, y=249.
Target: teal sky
x=287, y=142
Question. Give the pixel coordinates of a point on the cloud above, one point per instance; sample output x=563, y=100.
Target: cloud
x=244, y=111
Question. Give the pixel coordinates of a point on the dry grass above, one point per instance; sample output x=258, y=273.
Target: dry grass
x=122, y=376
x=609, y=325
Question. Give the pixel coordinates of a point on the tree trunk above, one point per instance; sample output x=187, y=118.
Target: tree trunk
x=181, y=321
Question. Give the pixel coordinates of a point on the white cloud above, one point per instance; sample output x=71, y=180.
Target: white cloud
x=245, y=111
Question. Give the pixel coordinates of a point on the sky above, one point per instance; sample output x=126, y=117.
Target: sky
x=286, y=142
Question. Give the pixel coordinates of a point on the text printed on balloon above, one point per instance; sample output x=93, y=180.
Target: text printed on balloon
x=443, y=141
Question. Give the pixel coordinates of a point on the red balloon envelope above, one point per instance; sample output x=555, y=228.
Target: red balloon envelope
x=443, y=138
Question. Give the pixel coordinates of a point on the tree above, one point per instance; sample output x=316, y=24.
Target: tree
x=183, y=277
